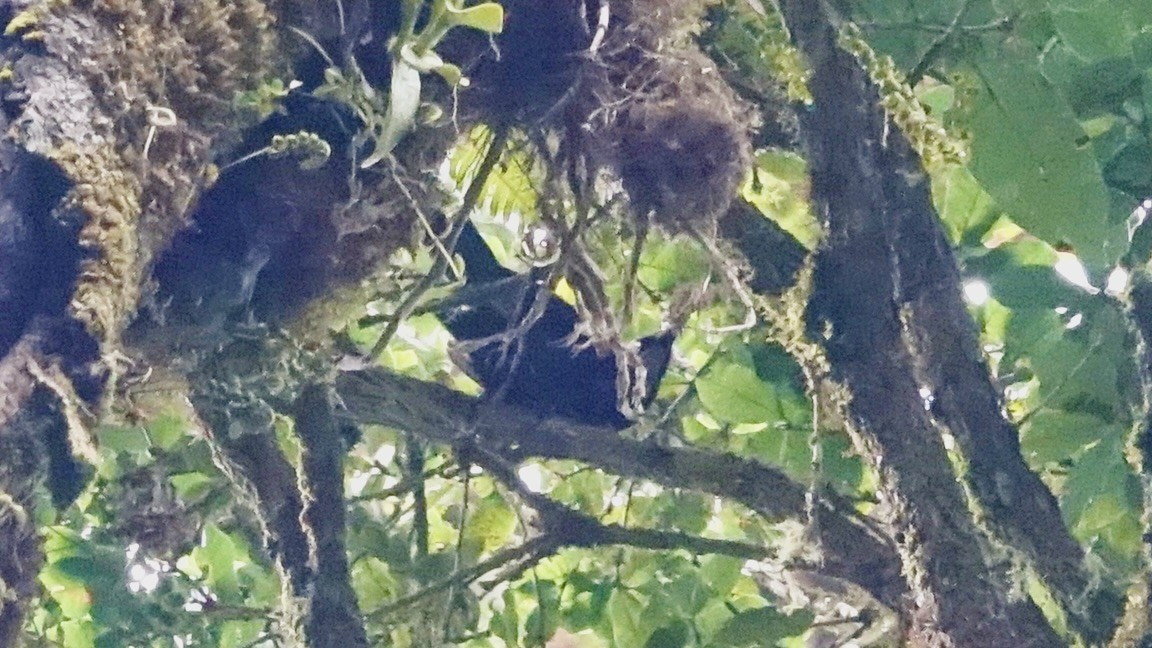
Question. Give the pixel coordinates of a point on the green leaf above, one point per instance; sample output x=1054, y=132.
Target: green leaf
x=403, y=103
x=587, y=605
x=510, y=187
x=779, y=189
x=487, y=17
x=220, y=553
x=720, y=573
x=168, y=430
x=1055, y=435
x=239, y=634
x=79, y=633
x=1097, y=29
x=1089, y=87
x=761, y=627
x=673, y=636
x=123, y=439
x=668, y=264
x=191, y=485
x=75, y=602
x=684, y=596
x=1031, y=155
x=450, y=73
x=964, y=207
x=625, y=614
x=735, y=394
x=506, y=622
x=99, y=571
x=374, y=582
x=1027, y=286
x=1100, y=472
x=1080, y=369
x=491, y=524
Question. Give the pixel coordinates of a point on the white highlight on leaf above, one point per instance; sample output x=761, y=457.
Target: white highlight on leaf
x=1138, y=216
x=1117, y=282
x=532, y=476
x=976, y=292
x=1068, y=266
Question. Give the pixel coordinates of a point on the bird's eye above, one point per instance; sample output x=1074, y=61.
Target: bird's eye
x=540, y=245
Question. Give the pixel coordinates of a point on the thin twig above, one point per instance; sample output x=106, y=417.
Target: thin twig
x=471, y=197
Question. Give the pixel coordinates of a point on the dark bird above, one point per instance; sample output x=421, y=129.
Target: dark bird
x=540, y=370
x=206, y=288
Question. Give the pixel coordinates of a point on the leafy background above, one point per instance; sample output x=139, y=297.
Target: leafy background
x=1050, y=99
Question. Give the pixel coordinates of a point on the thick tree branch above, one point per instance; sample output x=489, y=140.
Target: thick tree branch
x=872, y=190
x=852, y=550
x=334, y=617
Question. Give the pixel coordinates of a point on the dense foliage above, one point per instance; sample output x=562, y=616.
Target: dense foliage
x=1033, y=121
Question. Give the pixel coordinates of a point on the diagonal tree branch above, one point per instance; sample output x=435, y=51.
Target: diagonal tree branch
x=871, y=188
x=852, y=549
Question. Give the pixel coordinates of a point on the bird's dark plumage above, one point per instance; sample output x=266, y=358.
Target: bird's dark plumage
x=540, y=371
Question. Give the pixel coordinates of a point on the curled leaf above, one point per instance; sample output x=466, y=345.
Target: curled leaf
x=487, y=17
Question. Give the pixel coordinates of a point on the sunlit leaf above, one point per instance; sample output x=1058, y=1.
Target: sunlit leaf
x=1029, y=152
x=487, y=17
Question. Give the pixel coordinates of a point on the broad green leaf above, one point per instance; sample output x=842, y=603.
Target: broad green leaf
x=374, y=582
x=625, y=614
x=506, y=621
x=1029, y=327
x=1031, y=155
x=779, y=188
x=586, y=606
x=668, y=264
x=966, y=209
x=544, y=618
x=123, y=439
x=1028, y=286
x=100, y=571
x=75, y=602
x=1055, y=435
x=673, y=636
x=896, y=29
x=1080, y=369
x=735, y=394
x=239, y=634
x=220, y=553
x=761, y=627
x=168, y=430
x=191, y=485
x=79, y=633
x=720, y=573
x=1090, y=87
x=1101, y=472
x=1130, y=169
x=1097, y=29
x=491, y=524
x=687, y=511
